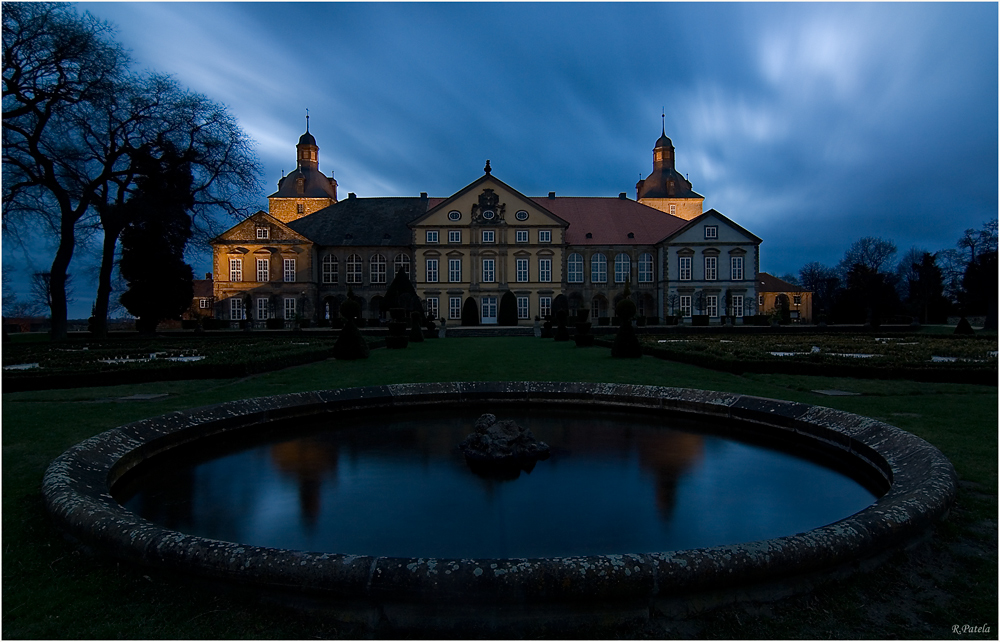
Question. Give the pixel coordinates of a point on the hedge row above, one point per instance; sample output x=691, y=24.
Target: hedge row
x=937, y=373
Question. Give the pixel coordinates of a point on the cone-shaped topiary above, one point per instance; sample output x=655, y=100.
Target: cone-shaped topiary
x=964, y=327
x=416, y=332
x=350, y=344
x=470, y=312
x=507, y=312
x=626, y=343
x=401, y=294
x=561, y=333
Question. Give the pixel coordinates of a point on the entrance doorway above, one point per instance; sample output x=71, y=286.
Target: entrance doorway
x=489, y=307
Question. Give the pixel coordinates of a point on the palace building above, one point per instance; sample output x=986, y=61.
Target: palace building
x=299, y=259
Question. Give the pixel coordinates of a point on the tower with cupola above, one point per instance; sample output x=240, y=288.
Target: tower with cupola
x=305, y=189
x=665, y=188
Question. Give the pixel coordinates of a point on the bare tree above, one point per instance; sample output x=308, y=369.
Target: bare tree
x=74, y=120
x=871, y=252
x=53, y=61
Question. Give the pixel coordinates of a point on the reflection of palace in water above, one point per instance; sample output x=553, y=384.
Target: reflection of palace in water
x=308, y=460
x=663, y=453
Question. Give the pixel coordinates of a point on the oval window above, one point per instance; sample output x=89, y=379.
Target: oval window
x=454, y=215
x=521, y=215
x=488, y=214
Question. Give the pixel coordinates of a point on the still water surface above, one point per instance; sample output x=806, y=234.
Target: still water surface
x=399, y=486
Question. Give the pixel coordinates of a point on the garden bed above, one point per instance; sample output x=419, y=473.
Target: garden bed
x=911, y=356
x=137, y=360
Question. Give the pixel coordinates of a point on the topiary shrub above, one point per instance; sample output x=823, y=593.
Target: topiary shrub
x=274, y=323
x=561, y=333
x=350, y=344
x=416, y=332
x=583, y=337
x=507, y=312
x=964, y=327
x=397, y=339
x=470, y=312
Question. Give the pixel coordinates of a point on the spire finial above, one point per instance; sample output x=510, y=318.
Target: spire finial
x=307, y=120
x=663, y=121
x=487, y=168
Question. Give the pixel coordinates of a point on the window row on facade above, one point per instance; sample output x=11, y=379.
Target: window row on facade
x=712, y=305
x=487, y=236
x=711, y=268
x=264, y=308
x=488, y=271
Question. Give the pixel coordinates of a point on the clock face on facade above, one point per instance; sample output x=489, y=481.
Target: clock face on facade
x=488, y=214
x=521, y=215
x=454, y=215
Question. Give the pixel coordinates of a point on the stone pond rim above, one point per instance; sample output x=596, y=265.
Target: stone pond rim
x=919, y=480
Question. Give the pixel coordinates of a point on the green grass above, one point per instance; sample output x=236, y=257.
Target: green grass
x=52, y=590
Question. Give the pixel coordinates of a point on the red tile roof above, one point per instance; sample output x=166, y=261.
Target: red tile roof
x=770, y=283
x=610, y=220
x=202, y=288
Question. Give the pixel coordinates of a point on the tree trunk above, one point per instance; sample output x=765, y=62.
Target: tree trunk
x=111, y=233
x=57, y=283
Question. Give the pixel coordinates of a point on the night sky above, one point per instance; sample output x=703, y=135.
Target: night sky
x=811, y=125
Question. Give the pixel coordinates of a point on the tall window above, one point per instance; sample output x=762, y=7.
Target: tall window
x=454, y=236
x=377, y=269
x=289, y=270
x=432, y=236
x=489, y=236
x=289, y=308
x=598, y=269
x=489, y=271
x=401, y=261
x=737, y=268
x=545, y=270
x=711, y=268
x=262, y=309
x=300, y=208
x=354, y=268
x=623, y=268
x=522, y=270
x=454, y=270
x=235, y=269
x=673, y=210
x=432, y=270
x=489, y=307
x=455, y=307
x=574, y=268
x=684, y=268
x=262, y=271
x=236, y=309
x=544, y=236
x=646, y=268
x=545, y=306
x=737, y=310
x=521, y=236
x=685, y=305
x=331, y=271
x=432, y=307
x=712, y=305
x=522, y=307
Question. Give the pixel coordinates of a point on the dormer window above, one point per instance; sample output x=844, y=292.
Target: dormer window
x=711, y=231
x=263, y=233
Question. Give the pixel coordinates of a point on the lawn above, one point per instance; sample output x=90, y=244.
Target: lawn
x=53, y=590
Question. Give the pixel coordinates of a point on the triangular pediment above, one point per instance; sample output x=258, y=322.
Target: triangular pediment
x=489, y=201
x=728, y=231
x=249, y=231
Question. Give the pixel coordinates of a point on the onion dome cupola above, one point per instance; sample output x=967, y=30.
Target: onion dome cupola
x=306, y=181
x=665, y=181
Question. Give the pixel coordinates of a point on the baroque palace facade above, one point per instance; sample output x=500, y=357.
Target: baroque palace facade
x=299, y=259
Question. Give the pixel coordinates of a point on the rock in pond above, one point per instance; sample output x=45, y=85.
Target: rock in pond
x=497, y=446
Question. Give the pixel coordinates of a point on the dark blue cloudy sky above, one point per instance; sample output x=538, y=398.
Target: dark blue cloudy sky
x=810, y=124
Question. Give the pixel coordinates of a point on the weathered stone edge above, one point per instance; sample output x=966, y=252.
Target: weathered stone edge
x=77, y=485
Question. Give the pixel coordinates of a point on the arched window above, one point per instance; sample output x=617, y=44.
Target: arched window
x=598, y=268
x=574, y=268
x=623, y=268
x=377, y=271
x=354, y=267
x=646, y=268
x=401, y=261
x=331, y=269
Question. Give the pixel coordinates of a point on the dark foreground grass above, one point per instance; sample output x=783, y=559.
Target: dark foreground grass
x=53, y=590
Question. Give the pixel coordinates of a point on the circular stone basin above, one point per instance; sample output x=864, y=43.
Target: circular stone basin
x=389, y=581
